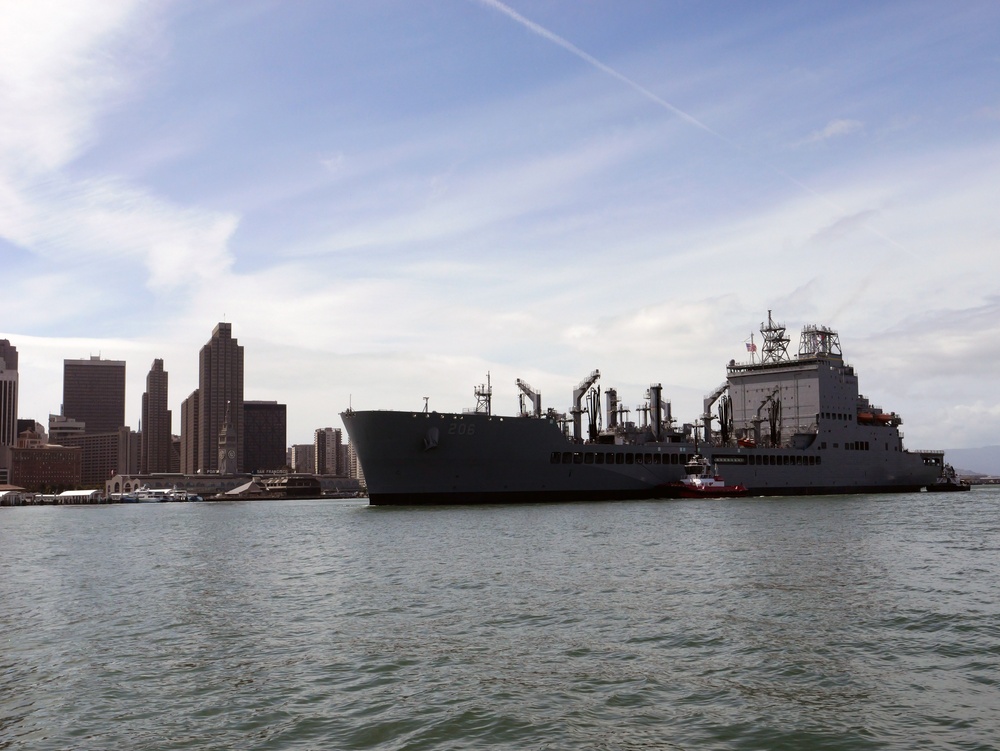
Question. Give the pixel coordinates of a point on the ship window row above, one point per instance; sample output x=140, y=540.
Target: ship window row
x=622, y=457
x=784, y=459
x=616, y=457
x=857, y=446
x=836, y=416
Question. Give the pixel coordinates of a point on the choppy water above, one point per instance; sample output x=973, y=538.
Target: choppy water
x=864, y=622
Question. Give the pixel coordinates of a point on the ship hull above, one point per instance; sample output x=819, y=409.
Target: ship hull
x=474, y=458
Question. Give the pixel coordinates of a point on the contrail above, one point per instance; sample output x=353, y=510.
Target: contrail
x=660, y=101
x=590, y=59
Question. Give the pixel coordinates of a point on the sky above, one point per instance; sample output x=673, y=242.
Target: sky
x=393, y=200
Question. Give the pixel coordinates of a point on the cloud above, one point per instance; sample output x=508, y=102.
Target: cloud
x=59, y=70
x=81, y=222
x=52, y=74
x=834, y=129
x=845, y=227
x=460, y=204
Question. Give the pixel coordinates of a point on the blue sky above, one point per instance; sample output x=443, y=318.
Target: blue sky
x=390, y=199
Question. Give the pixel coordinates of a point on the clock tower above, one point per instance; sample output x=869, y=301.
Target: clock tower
x=227, y=445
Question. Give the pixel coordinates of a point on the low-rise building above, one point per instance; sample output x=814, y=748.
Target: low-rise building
x=204, y=485
x=46, y=469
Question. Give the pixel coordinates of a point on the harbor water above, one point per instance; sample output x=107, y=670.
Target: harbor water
x=855, y=622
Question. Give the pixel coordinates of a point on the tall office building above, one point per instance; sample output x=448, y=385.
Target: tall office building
x=189, y=453
x=8, y=405
x=156, y=423
x=303, y=458
x=264, y=436
x=94, y=393
x=327, y=442
x=8, y=393
x=220, y=385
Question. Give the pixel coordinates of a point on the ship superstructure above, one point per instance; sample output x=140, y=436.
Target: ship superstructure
x=777, y=425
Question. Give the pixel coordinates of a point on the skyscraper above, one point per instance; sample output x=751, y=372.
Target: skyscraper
x=156, y=423
x=94, y=393
x=8, y=403
x=220, y=385
x=327, y=442
x=189, y=454
x=264, y=428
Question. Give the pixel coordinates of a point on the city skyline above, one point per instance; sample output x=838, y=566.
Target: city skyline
x=390, y=200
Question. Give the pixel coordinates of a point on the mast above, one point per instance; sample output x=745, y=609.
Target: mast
x=484, y=396
x=775, y=346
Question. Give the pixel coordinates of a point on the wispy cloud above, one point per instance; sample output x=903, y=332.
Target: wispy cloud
x=58, y=73
x=53, y=78
x=845, y=226
x=833, y=129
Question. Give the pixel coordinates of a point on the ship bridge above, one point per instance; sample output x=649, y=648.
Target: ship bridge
x=789, y=394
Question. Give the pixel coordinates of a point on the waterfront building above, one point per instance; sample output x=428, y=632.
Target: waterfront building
x=94, y=393
x=8, y=405
x=303, y=458
x=210, y=485
x=200, y=485
x=220, y=386
x=264, y=429
x=105, y=454
x=189, y=434
x=46, y=469
x=156, y=423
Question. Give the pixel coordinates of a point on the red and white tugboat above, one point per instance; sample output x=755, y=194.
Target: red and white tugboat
x=701, y=482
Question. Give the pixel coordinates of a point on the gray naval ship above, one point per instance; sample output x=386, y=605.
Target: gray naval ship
x=778, y=425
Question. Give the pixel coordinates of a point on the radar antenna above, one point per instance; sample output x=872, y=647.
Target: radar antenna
x=817, y=341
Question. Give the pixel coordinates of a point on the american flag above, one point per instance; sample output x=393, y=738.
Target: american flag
x=751, y=347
